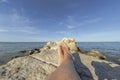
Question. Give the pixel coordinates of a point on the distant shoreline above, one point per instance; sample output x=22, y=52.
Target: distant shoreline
x=13, y=48
x=77, y=42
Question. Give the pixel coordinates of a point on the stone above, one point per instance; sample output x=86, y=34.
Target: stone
x=24, y=51
x=30, y=52
x=15, y=57
x=39, y=66
x=37, y=50
x=96, y=53
x=78, y=49
x=70, y=42
x=119, y=59
x=102, y=57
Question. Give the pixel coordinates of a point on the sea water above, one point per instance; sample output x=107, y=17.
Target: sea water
x=10, y=49
x=107, y=48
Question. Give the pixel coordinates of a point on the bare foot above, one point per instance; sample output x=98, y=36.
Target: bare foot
x=63, y=52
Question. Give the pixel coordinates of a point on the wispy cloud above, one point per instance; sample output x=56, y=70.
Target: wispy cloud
x=61, y=32
x=66, y=32
x=70, y=27
x=17, y=23
x=73, y=25
x=100, y=36
x=70, y=22
x=3, y=30
x=93, y=20
x=73, y=22
x=3, y=1
x=20, y=30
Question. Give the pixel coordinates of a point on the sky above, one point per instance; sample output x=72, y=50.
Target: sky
x=50, y=20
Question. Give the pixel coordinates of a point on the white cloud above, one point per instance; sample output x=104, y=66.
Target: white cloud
x=3, y=30
x=61, y=32
x=65, y=33
x=70, y=22
x=4, y=1
x=19, y=18
x=17, y=23
x=70, y=27
x=73, y=22
x=93, y=20
x=60, y=23
x=27, y=30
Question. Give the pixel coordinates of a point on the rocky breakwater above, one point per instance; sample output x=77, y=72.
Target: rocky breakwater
x=38, y=65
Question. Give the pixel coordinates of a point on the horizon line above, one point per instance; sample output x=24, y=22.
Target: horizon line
x=54, y=41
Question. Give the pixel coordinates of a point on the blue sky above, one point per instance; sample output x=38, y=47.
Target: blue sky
x=47, y=20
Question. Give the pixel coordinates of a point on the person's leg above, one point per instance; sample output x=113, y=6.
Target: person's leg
x=66, y=69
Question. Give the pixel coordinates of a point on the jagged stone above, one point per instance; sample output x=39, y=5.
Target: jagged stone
x=98, y=54
x=39, y=66
x=71, y=44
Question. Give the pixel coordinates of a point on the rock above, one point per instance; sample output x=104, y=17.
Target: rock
x=25, y=68
x=119, y=59
x=52, y=44
x=39, y=66
x=103, y=57
x=36, y=50
x=46, y=47
x=24, y=51
x=71, y=44
x=30, y=52
x=94, y=53
x=15, y=57
x=78, y=49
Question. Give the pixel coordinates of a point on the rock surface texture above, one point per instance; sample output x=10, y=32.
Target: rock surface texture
x=39, y=65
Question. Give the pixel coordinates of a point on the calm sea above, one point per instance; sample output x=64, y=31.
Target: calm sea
x=10, y=49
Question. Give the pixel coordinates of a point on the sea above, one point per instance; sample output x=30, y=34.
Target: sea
x=11, y=49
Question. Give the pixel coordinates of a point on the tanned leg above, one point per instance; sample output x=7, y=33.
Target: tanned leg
x=66, y=69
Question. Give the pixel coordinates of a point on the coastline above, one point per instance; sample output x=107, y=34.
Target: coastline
x=37, y=64
x=23, y=52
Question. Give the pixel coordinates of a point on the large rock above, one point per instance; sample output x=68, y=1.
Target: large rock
x=93, y=53
x=39, y=66
x=71, y=44
x=97, y=54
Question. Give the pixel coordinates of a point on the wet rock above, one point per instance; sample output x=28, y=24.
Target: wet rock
x=94, y=53
x=24, y=51
x=98, y=54
x=29, y=52
x=37, y=50
x=14, y=57
x=102, y=57
x=119, y=59
x=85, y=52
x=78, y=49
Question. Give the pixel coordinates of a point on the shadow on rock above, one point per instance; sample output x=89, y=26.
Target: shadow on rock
x=105, y=71
x=82, y=70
